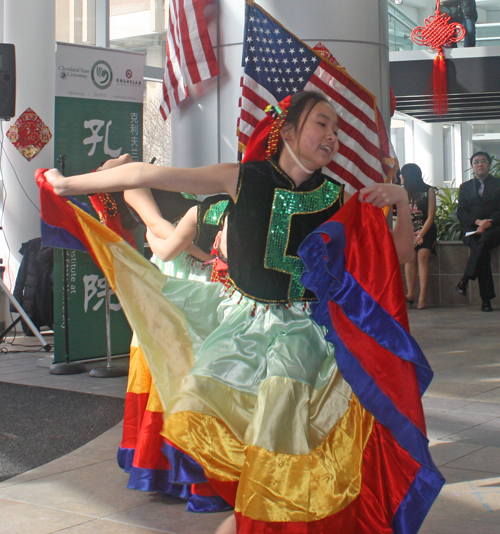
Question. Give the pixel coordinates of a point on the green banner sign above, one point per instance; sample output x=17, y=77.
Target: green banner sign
x=98, y=116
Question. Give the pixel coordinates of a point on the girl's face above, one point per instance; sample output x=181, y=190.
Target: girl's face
x=315, y=141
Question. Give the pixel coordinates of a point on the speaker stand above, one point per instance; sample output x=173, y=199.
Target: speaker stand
x=108, y=371
x=22, y=315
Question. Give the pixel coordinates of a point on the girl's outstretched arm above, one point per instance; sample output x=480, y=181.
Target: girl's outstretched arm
x=179, y=240
x=144, y=204
x=209, y=180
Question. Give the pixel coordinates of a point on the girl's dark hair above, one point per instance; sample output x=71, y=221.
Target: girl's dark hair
x=300, y=103
x=413, y=181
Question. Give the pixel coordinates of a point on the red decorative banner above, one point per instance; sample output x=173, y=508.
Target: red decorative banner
x=29, y=134
x=437, y=33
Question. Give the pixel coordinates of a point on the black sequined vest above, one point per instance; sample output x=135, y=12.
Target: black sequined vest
x=270, y=219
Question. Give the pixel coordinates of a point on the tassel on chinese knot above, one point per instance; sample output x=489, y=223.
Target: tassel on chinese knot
x=437, y=33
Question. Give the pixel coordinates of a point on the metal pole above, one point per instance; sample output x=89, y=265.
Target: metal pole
x=108, y=371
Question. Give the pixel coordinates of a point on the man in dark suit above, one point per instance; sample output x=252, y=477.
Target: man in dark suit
x=479, y=213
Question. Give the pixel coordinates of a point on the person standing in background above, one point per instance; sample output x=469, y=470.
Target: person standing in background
x=465, y=13
x=422, y=199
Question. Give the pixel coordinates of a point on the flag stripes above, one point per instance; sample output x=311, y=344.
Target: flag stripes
x=190, y=57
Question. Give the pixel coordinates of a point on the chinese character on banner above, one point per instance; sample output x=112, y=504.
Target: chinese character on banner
x=29, y=134
x=95, y=126
x=95, y=286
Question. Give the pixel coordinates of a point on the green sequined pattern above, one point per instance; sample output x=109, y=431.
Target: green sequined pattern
x=215, y=213
x=189, y=196
x=285, y=204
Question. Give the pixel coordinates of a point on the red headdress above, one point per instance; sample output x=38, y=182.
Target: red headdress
x=263, y=142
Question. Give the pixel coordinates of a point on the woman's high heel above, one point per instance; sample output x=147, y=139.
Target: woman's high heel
x=410, y=302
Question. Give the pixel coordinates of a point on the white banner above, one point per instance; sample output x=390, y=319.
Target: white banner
x=99, y=73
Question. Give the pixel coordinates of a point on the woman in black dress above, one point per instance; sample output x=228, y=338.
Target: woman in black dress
x=422, y=199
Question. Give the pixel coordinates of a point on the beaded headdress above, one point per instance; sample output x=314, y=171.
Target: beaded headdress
x=264, y=141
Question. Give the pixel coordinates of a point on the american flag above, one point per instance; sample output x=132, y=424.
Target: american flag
x=190, y=56
x=276, y=64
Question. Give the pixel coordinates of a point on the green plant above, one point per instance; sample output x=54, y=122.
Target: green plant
x=448, y=225
x=495, y=166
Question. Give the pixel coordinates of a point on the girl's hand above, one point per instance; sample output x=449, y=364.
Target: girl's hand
x=116, y=162
x=381, y=195
x=56, y=180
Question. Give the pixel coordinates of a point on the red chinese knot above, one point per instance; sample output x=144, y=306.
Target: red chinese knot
x=438, y=31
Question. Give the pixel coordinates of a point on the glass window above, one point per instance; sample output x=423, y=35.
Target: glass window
x=140, y=25
x=156, y=137
x=486, y=137
x=75, y=21
x=405, y=15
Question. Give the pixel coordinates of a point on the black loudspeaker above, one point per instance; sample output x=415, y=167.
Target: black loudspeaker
x=7, y=81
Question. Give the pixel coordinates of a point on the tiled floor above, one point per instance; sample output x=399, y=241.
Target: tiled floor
x=84, y=492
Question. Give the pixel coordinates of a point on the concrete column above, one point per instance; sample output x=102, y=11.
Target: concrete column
x=204, y=125
x=467, y=151
x=30, y=26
